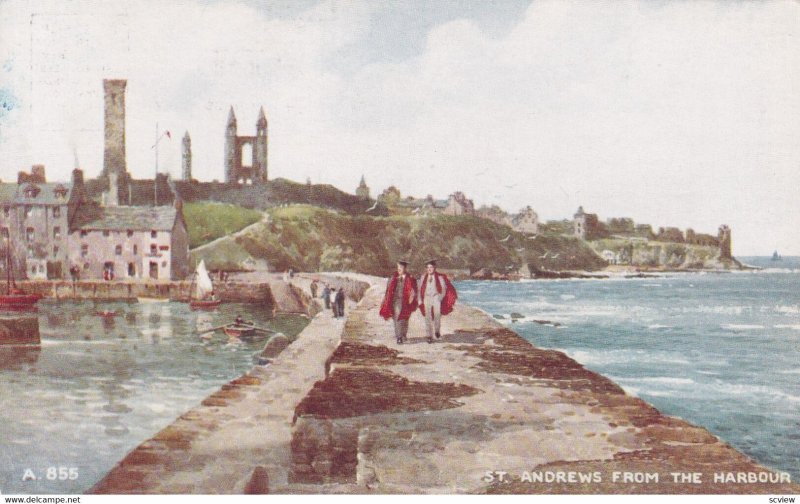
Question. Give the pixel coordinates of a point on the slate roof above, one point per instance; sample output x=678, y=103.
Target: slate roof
x=7, y=192
x=124, y=218
x=45, y=193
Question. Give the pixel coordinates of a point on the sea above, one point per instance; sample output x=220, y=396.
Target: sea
x=720, y=350
x=100, y=385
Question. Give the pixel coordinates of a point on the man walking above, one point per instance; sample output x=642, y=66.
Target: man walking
x=437, y=296
x=332, y=302
x=400, y=300
x=340, y=302
x=326, y=296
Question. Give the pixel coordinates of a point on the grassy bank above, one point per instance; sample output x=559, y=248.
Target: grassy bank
x=308, y=238
x=207, y=221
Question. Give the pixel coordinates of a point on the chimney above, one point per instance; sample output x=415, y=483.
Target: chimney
x=77, y=177
x=37, y=174
x=112, y=199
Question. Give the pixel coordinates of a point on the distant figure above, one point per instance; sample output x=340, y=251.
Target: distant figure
x=438, y=295
x=314, y=287
x=333, y=305
x=75, y=273
x=286, y=276
x=239, y=320
x=400, y=300
x=291, y=273
x=326, y=295
x=340, y=302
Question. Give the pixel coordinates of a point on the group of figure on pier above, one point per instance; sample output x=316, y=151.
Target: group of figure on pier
x=434, y=295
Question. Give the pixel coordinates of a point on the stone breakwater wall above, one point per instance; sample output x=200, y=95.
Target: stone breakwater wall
x=345, y=410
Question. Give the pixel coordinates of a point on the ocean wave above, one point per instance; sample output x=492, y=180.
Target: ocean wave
x=664, y=380
x=793, y=309
x=796, y=327
x=604, y=358
x=659, y=326
x=567, y=297
x=741, y=327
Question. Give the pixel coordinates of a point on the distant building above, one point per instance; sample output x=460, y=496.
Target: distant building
x=724, y=237
x=526, y=221
x=586, y=226
x=493, y=213
x=252, y=149
x=130, y=243
x=186, y=157
x=362, y=191
x=458, y=204
x=34, y=223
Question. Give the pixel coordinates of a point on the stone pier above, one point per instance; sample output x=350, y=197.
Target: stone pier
x=345, y=410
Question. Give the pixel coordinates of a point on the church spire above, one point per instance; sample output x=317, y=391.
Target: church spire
x=262, y=119
x=231, y=117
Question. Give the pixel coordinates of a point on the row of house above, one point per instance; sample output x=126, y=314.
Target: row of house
x=524, y=221
x=54, y=231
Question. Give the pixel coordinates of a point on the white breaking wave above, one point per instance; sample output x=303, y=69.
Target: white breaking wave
x=741, y=327
x=796, y=327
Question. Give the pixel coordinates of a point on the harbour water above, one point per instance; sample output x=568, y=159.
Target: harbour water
x=100, y=385
x=717, y=349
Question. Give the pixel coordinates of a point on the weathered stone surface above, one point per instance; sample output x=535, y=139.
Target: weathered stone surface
x=259, y=482
x=275, y=346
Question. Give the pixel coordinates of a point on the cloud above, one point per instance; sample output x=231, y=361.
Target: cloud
x=672, y=113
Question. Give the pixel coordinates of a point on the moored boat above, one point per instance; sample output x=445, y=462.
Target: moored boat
x=202, y=291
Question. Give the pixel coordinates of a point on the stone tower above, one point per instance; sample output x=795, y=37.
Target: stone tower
x=186, y=158
x=362, y=191
x=260, y=148
x=114, y=153
x=724, y=242
x=235, y=171
x=232, y=153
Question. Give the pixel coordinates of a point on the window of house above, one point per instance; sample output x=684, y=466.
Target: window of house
x=84, y=233
x=118, y=250
x=55, y=250
x=131, y=269
x=153, y=234
x=28, y=210
x=153, y=249
x=86, y=266
x=57, y=211
x=56, y=232
x=130, y=233
x=106, y=233
x=29, y=234
x=6, y=211
x=84, y=250
x=5, y=232
x=135, y=249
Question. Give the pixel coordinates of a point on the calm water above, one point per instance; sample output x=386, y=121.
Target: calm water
x=100, y=386
x=719, y=350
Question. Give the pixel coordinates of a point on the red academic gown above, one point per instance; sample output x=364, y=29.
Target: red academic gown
x=409, y=290
x=449, y=298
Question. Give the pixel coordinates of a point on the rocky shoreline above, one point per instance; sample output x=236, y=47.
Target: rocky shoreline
x=345, y=410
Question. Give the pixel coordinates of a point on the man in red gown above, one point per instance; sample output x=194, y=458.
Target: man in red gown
x=400, y=300
x=437, y=297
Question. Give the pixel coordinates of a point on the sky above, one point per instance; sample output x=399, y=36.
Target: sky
x=673, y=113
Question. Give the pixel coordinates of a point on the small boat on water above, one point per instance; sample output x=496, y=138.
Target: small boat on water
x=202, y=291
x=151, y=300
x=776, y=256
x=239, y=330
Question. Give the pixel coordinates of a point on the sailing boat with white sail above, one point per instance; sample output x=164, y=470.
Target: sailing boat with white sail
x=202, y=295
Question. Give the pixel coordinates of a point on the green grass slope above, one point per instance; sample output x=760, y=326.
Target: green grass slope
x=207, y=221
x=307, y=238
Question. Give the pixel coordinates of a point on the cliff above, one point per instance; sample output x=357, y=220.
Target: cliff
x=643, y=253
x=306, y=238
